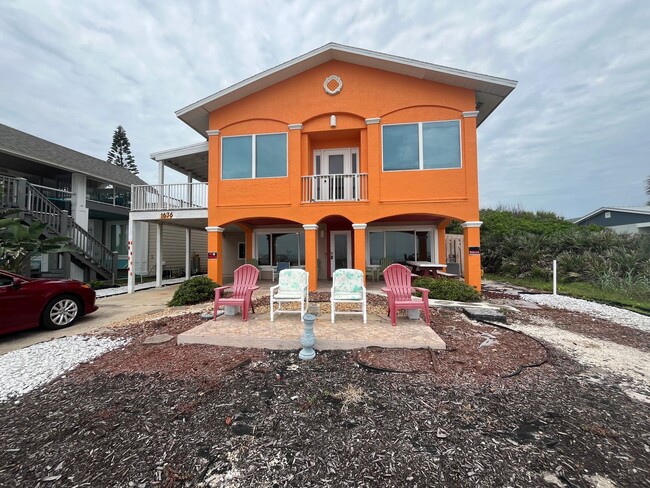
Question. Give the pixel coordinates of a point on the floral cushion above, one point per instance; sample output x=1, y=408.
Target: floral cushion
x=293, y=280
x=347, y=284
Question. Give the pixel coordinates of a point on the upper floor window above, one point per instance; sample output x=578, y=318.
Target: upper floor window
x=254, y=156
x=423, y=145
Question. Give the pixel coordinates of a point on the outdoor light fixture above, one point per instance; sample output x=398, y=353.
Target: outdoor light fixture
x=333, y=121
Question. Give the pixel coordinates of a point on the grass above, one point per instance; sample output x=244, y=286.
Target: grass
x=587, y=291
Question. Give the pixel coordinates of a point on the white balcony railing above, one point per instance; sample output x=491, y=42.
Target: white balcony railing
x=174, y=196
x=335, y=188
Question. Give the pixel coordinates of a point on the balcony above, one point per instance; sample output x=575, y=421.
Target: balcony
x=335, y=188
x=175, y=196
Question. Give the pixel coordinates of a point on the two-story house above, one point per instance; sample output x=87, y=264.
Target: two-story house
x=339, y=158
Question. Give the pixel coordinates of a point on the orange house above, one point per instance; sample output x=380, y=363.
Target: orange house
x=342, y=157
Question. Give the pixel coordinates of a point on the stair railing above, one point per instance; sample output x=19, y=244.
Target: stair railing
x=19, y=193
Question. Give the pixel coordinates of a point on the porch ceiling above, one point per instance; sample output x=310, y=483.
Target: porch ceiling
x=190, y=160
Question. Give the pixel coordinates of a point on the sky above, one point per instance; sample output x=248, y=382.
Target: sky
x=571, y=138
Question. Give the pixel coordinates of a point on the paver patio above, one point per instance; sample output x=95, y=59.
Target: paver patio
x=349, y=332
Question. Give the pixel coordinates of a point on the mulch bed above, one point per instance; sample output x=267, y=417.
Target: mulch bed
x=171, y=416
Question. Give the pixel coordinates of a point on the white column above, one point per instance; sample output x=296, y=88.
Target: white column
x=159, y=257
x=190, y=197
x=129, y=250
x=161, y=181
x=188, y=256
x=79, y=211
x=161, y=172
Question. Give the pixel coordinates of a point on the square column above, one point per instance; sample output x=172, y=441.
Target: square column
x=215, y=245
x=294, y=154
x=311, y=254
x=471, y=250
x=159, y=255
x=360, y=247
x=188, y=255
x=373, y=150
x=130, y=287
x=442, y=240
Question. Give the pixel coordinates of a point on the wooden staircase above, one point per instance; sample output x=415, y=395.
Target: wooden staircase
x=97, y=260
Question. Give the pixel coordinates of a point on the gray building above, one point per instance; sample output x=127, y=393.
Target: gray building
x=624, y=220
x=88, y=200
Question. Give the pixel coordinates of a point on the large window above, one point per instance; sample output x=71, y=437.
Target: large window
x=255, y=156
x=424, y=145
x=276, y=247
x=399, y=245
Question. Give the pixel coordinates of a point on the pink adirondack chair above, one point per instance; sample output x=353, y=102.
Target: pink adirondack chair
x=399, y=290
x=242, y=290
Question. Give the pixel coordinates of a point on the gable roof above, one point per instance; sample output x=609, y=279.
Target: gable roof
x=490, y=91
x=27, y=146
x=645, y=210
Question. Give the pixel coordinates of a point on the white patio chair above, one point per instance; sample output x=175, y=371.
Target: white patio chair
x=293, y=286
x=347, y=287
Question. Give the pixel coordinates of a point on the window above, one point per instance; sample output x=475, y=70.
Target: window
x=399, y=245
x=273, y=248
x=424, y=145
x=255, y=156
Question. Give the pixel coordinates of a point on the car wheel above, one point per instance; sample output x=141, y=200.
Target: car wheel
x=61, y=312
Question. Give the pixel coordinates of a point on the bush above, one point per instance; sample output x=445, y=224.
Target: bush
x=195, y=290
x=444, y=289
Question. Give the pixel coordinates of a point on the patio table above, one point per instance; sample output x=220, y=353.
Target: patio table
x=429, y=268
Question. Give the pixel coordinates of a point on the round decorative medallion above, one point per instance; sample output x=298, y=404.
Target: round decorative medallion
x=332, y=85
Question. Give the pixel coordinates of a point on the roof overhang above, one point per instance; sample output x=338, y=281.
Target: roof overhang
x=490, y=91
x=69, y=168
x=638, y=211
x=191, y=160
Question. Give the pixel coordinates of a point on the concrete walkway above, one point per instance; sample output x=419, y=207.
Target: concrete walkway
x=113, y=309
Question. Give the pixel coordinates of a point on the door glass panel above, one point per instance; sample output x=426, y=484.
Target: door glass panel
x=423, y=245
x=336, y=164
x=340, y=251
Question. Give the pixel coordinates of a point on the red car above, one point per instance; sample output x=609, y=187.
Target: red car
x=51, y=303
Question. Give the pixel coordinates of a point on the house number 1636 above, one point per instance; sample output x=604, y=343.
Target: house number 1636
x=166, y=215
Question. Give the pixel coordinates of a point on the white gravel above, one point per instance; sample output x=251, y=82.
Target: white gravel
x=598, y=310
x=25, y=369
x=627, y=362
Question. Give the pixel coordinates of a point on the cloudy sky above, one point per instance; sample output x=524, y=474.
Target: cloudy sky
x=572, y=137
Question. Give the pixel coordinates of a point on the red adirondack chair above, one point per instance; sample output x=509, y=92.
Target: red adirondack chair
x=399, y=290
x=242, y=290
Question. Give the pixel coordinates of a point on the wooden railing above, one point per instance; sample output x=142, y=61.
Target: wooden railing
x=20, y=194
x=335, y=188
x=173, y=196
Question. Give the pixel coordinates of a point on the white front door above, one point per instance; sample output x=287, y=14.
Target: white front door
x=340, y=249
x=336, y=169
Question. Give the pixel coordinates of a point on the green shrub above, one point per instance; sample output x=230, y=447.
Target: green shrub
x=444, y=289
x=96, y=284
x=195, y=290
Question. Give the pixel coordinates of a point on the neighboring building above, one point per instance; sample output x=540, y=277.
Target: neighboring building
x=78, y=196
x=624, y=220
x=334, y=159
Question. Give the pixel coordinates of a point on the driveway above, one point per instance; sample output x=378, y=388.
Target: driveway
x=112, y=309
